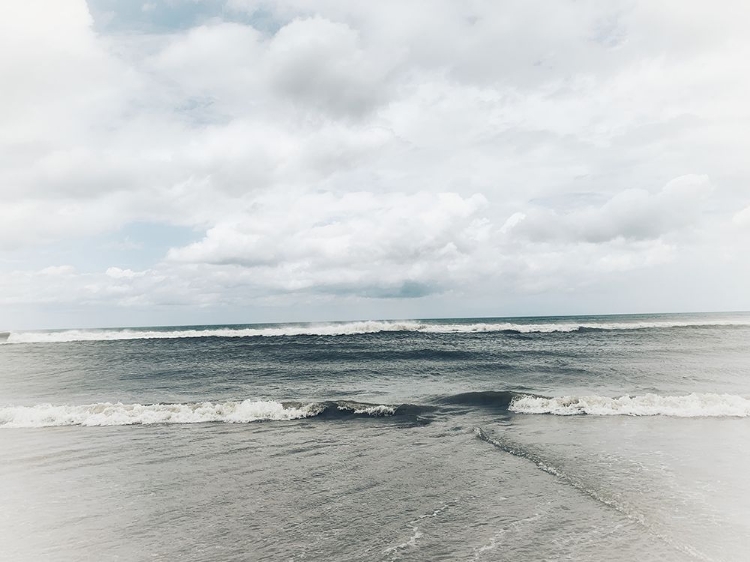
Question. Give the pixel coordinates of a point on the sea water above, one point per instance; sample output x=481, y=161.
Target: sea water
x=580, y=438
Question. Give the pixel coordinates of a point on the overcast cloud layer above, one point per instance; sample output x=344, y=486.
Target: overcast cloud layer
x=240, y=161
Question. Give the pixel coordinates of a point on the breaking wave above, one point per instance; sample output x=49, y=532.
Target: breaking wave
x=355, y=328
x=690, y=406
x=246, y=411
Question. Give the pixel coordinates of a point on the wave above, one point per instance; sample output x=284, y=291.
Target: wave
x=355, y=328
x=499, y=399
x=246, y=411
x=690, y=406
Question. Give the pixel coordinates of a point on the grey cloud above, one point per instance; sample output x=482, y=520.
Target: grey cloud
x=388, y=244
x=320, y=65
x=404, y=290
x=633, y=214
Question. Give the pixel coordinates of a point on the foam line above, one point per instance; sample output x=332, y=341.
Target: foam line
x=246, y=411
x=354, y=328
x=690, y=406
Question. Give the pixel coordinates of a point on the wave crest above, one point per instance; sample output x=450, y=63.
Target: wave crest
x=690, y=406
x=246, y=411
x=356, y=328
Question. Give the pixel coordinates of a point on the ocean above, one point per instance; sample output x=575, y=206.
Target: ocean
x=614, y=438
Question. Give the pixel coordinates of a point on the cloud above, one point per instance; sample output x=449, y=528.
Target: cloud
x=455, y=150
x=633, y=214
x=361, y=243
x=118, y=273
x=742, y=218
x=58, y=270
x=320, y=65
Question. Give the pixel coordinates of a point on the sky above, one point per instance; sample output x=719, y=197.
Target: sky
x=237, y=161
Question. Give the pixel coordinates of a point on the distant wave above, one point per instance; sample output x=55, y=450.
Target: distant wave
x=690, y=406
x=246, y=411
x=354, y=328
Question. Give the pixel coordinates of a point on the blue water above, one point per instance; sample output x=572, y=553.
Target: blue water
x=577, y=438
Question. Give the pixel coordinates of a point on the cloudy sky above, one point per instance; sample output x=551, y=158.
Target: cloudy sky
x=196, y=161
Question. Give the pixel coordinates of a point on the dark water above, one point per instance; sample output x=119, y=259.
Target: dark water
x=609, y=438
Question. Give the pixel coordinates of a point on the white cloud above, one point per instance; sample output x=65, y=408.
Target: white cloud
x=58, y=270
x=742, y=218
x=118, y=273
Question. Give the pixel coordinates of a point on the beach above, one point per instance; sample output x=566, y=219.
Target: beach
x=578, y=438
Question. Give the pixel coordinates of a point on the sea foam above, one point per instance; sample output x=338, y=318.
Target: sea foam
x=245, y=411
x=107, y=413
x=690, y=406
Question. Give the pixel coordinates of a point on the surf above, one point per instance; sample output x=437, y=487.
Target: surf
x=233, y=412
x=693, y=405
x=359, y=328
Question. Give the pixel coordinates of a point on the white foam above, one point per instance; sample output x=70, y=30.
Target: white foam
x=690, y=406
x=370, y=410
x=106, y=413
x=275, y=331
x=353, y=328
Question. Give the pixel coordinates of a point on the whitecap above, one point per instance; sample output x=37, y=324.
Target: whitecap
x=689, y=406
